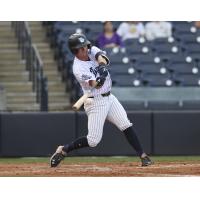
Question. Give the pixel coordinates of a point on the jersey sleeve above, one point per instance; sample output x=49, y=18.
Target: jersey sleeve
x=83, y=77
x=95, y=52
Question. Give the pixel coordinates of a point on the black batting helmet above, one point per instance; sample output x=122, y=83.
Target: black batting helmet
x=76, y=41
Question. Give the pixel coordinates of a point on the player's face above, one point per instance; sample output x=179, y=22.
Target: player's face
x=83, y=53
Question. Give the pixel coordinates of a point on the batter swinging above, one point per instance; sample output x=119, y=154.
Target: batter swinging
x=90, y=69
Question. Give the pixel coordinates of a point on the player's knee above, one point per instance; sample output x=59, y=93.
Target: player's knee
x=93, y=142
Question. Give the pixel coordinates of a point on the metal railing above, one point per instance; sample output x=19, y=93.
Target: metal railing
x=33, y=62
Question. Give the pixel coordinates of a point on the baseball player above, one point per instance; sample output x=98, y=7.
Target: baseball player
x=90, y=69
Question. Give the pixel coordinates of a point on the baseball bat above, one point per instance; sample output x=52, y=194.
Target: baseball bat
x=82, y=99
x=80, y=102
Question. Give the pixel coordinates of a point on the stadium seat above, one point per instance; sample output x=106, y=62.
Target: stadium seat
x=126, y=80
x=183, y=68
x=164, y=48
x=122, y=68
x=157, y=80
x=153, y=67
x=182, y=27
x=138, y=49
x=187, y=80
x=188, y=38
x=146, y=58
x=118, y=57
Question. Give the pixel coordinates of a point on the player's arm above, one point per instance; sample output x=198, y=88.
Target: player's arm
x=103, y=62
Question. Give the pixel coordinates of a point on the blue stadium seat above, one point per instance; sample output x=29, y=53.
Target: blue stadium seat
x=183, y=68
x=156, y=68
x=157, y=79
x=187, y=80
x=179, y=58
x=68, y=27
x=165, y=48
x=147, y=58
x=122, y=68
x=138, y=49
x=126, y=80
x=188, y=38
x=192, y=50
x=182, y=27
x=118, y=57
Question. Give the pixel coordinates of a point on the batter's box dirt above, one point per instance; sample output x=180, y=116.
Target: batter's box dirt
x=102, y=169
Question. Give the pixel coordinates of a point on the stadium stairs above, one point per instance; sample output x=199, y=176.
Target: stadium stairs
x=58, y=98
x=13, y=75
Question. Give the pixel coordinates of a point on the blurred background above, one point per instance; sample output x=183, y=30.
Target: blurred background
x=155, y=68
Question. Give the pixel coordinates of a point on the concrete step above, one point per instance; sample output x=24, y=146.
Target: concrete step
x=9, y=45
x=42, y=45
x=37, y=33
x=58, y=94
x=4, y=51
x=49, y=61
x=8, y=40
x=54, y=78
x=39, y=40
x=17, y=78
x=49, y=68
x=11, y=55
x=12, y=62
x=20, y=101
x=18, y=86
x=53, y=72
x=47, y=56
x=46, y=50
x=7, y=33
x=24, y=107
x=58, y=100
x=59, y=106
x=8, y=68
x=20, y=95
x=6, y=74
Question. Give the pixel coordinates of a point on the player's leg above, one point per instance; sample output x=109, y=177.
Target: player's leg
x=96, y=118
x=118, y=116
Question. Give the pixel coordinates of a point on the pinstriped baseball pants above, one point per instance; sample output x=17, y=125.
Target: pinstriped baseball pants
x=99, y=109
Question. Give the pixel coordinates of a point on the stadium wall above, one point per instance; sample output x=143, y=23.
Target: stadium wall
x=38, y=134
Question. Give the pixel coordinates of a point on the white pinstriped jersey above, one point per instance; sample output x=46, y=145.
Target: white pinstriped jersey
x=85, y=71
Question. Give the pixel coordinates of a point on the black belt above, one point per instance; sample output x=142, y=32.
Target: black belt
x=104, y=95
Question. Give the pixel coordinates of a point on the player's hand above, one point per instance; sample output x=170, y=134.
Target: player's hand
x=102, y=70
x=100, y=81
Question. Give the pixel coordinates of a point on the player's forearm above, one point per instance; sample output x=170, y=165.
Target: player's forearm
x=92, y=83
x=101, y=59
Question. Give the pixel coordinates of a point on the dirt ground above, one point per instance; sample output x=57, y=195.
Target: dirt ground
x=119, y=169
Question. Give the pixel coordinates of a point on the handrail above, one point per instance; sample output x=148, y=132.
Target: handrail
x=34, y=64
